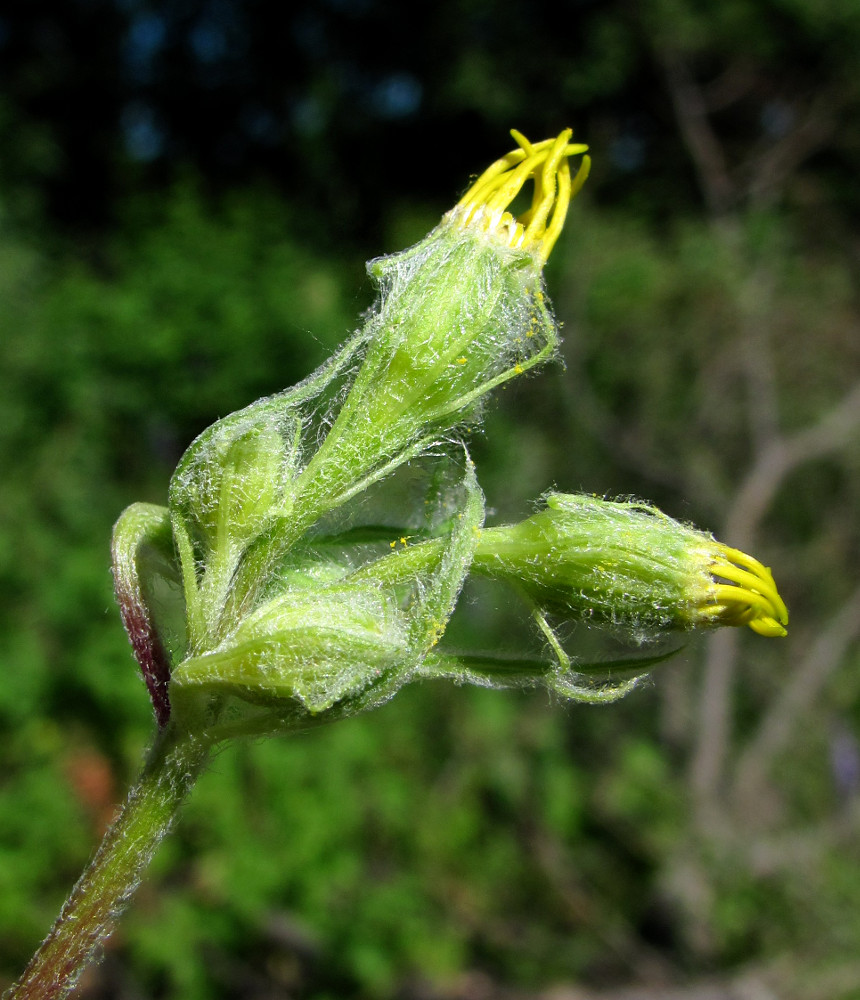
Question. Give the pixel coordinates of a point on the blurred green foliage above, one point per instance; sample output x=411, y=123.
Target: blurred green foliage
x=463, y=843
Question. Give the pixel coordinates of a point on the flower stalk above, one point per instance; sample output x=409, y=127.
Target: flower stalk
x=104, y=889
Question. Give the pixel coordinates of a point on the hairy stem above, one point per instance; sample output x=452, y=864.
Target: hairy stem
x=107, y=884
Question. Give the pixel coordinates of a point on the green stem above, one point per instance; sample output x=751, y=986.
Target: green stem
x=103, y=891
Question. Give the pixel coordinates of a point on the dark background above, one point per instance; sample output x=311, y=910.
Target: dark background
x=187, y=194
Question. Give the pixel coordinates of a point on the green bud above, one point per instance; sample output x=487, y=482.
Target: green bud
x=234, y=483
x=331, y=638
x=458, y=314
x=630, y=565
x=299, y=654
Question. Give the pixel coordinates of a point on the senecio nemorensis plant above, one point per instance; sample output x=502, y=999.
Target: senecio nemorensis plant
x=298, y=611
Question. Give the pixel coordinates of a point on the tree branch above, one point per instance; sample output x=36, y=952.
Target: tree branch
x=691, y=112
x=796, y=695
x=832, y=431
x=769, y=170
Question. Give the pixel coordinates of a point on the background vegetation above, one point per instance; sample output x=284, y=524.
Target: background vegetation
x=187, y=192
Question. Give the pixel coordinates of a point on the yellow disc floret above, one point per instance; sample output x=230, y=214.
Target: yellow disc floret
x=744, y=593
x=486, y=204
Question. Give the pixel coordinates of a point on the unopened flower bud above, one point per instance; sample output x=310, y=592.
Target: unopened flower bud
x=458, y=314
x=300, y=654
x=231, y=483
x=231, y=487
x=628, y=564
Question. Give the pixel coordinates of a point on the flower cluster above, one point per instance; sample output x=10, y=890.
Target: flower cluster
x=276, y=590
x=287, y=618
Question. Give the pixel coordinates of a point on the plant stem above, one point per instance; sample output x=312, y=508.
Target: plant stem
x=107, y=884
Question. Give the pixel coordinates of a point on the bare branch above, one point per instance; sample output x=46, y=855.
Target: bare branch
x=622, y=440
x=832, y=431
x=755, y=299
x=706, y=770
x=796, y=695
x=691, y=111
x=769, y=170
x=733, y=84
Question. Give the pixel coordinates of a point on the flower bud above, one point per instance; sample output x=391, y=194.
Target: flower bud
x=233, y=484
x=330, y=639
x=630, y=565
x=284, y=625
x=306, y=650
x=458, y=314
